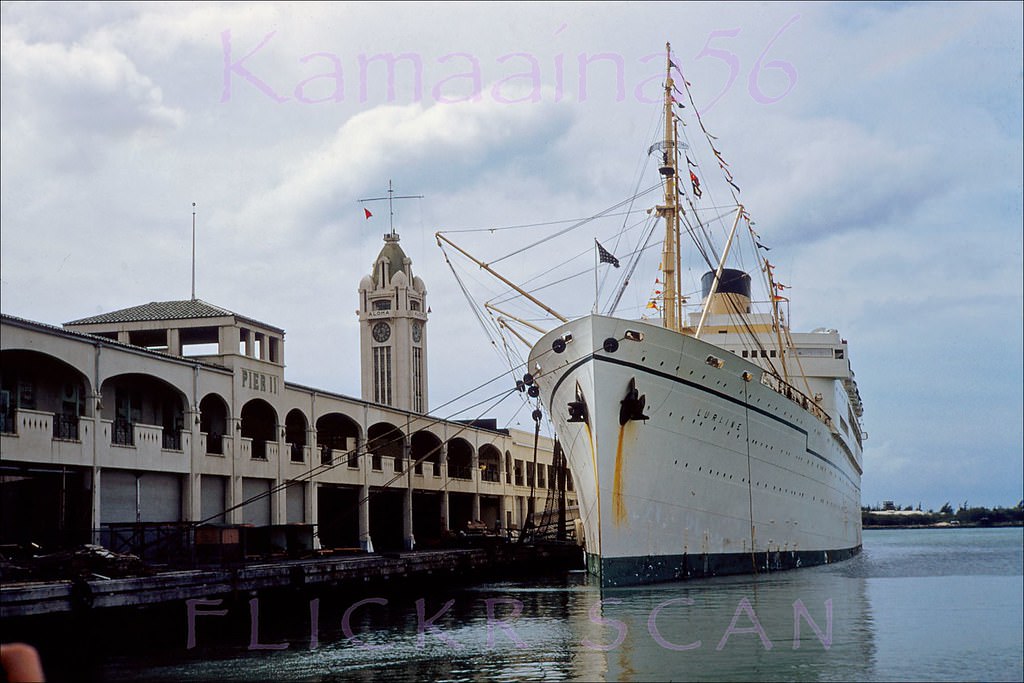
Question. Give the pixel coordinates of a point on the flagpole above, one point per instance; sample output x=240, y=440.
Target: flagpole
x=596, y=257
x=193, y=251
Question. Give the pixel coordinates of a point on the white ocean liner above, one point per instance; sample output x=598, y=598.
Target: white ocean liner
x=704, y=442
x=690, y=461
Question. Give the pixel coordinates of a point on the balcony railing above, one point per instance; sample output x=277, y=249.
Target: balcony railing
x=122, y=432
x=259, y=449
x=65, y=427
x=171, y=440
x=8, y=422
x=460, y=471
x=215, y=444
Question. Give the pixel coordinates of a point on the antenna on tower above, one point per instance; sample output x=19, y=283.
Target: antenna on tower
x=193, y=251
x=391, y=207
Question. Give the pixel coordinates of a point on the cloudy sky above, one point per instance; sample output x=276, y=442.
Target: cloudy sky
x=878, y=147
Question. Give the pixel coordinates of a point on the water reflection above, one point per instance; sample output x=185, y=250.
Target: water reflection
x=787, y=626
x=912, y=606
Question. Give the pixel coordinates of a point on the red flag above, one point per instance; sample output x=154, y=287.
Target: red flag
x=367, y=212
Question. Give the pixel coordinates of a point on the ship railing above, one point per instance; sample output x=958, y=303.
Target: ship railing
x=784, y=388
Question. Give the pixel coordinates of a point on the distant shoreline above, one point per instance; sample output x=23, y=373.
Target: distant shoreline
x=944, y=525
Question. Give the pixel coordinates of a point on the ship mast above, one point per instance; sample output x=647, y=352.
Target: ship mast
x=670, y=256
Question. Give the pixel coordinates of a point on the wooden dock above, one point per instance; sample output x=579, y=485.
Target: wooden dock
x=49, y=597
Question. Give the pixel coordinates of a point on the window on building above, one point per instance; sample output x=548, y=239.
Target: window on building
x=382, y=305
x=414, y=305
x=417, y=380
x=382, y=374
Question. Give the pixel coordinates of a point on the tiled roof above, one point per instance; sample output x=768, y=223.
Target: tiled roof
x=157, y=310
x=165, y=310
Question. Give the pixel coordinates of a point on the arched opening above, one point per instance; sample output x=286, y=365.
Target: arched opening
x=137, y=399
x=333, y=432
x=33, y=381
x=213, y=422
x=385, y=441
x=460, y=459
x=490, y=463
x=295, y=425
x=426, y=453
x=259, y=424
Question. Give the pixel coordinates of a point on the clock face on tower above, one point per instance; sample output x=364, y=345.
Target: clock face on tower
x=417, y=332
x=381, y=332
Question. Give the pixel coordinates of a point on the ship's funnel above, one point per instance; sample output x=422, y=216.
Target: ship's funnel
x=732, y=293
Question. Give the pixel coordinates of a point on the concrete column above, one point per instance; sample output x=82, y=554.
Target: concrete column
x=278, y=503
x=234, y=498
x=312, y=511
x=446, y=522
x=407, y=525
x=502, y=506
x=407, y=529
x=174, y=342
x=279, y=499
x=364, y=519
x=95, y=505
x=194, y=497
x=476, y=507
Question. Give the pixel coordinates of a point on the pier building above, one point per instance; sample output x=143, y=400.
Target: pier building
x=173, y=413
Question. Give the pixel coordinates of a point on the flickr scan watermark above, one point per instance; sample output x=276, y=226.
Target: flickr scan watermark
x=502, y=614
x=514, y=77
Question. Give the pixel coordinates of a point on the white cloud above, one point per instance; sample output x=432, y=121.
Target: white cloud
x=887, y=182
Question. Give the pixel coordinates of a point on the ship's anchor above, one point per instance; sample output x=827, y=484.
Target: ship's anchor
x=632, y=406
x=578, y=408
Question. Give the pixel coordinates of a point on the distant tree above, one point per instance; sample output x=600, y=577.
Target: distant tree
x=946, y=509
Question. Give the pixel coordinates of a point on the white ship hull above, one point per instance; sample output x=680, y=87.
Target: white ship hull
x=727, y=475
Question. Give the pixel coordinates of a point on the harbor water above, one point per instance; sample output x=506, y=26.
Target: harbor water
x=917, y=604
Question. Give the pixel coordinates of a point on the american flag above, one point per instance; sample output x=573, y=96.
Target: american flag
x=605, y=255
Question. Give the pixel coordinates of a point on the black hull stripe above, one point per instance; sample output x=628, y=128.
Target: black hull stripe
x=694, y=385
x=641, y=570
